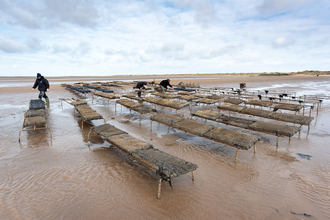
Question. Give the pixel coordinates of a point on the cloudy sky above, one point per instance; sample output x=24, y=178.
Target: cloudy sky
x=104, y=37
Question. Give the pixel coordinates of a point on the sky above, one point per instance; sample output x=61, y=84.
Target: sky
x=104, y=37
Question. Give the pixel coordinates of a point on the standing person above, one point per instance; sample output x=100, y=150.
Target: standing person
x=141, y=85
x=163, y=85
x=43, y=86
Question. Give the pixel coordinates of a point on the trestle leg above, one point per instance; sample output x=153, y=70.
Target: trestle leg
x=159, y=188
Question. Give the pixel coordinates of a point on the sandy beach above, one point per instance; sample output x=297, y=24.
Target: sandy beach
x=66, y=179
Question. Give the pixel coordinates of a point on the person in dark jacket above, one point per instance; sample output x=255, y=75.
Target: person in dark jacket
x=141, y=85
x=43, y=87
x=164, y=84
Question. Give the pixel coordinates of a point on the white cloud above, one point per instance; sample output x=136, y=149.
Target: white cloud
x=19, y=14
x=11, y=46
x=34, y=44
x=172, y=47
x=61, y=48
x=81, y=12
x=205, y=14
x=277, y=6
x=282, y=42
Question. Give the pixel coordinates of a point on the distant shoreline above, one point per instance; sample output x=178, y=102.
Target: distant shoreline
x=196, y=75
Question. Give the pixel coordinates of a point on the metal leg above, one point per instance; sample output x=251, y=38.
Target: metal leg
x=50, y=132
x=309, y=126
x=255, y=149
x=192, y=177
x=19, y=136
x=159, y=188
x=303, y=110
x=150, y=125
x=277, y=142
x=82, y=125
x=236, y=155
x=89, y=133
x=140, y=119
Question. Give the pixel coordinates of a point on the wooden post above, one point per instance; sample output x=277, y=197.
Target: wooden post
x=309, y=126
x=82, y=125
x=303, y=110
x=159, y=188
x=50, y=132
x=19, y=135
x=236, y=155
x=89, y=133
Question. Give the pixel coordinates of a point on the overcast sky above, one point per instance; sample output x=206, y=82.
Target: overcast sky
x=103, y=37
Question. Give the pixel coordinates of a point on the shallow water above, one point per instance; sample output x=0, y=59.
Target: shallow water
x=64, y=178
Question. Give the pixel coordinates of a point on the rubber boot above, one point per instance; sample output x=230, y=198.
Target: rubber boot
x=47, y=101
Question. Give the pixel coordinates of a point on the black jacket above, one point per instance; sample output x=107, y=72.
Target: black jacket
x=141, y=85
x=165, y=83
x=42, y=84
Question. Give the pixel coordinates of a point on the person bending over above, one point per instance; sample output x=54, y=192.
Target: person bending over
x=164, y=84
x=43, y=86
x=141, y=85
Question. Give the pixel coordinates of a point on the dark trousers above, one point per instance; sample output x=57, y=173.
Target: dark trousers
x=42, y=94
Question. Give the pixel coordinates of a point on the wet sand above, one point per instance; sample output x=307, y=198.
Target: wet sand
x=65, y=179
